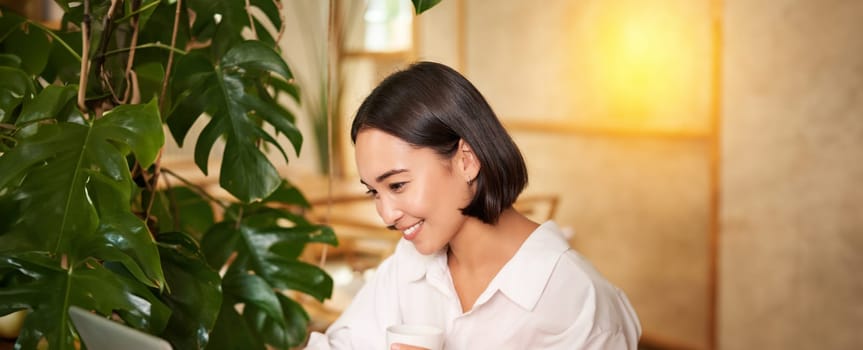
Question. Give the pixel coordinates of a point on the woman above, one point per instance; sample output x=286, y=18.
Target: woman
x=444, y=172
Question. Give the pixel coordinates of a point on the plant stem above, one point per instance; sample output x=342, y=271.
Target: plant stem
x=239, y=218
x=170, y=57
x=138, y=11
x=251, y=20
x=107, y=31
x=282, y=19
x=85, y=59
x=136, y=168
x=194, y=187
x=131, y=60
x=152, y=187
x=172, y=204
x=8, y=138
x=145, y=46
x=331, y=19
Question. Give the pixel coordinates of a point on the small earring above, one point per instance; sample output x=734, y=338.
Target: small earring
x=470, y=181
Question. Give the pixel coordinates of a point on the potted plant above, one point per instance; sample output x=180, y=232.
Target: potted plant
x=84, y=217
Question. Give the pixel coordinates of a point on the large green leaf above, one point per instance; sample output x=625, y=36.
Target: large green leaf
x=232, y=332
x=254, y=56
x=298, y=237
x=289, y=88
x=253, y=290
x=421, y=6
x=9, y=211
x=274, y=333
x=230, y=94
x=7, y=60
x=51, y=103
x=265, y=245
x=15, y=88
x=219, y=243
x=262, y=249
x=267, y=317
x=150, y=77
x=288, y=194
x=76, y=189
x=296, y=275
x=9, y=23
x=180, y=209
x=269, y=109
x=30, y=44
x=194, y=293
x=226, y=32
x=64, y=65
x=48, y=290
x=191, y=101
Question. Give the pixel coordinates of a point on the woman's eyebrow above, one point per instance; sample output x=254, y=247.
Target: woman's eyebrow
x=385, y=175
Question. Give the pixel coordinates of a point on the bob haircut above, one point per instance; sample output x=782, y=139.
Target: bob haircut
x=431, y=105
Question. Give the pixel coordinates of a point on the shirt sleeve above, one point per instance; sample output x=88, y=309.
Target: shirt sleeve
x=599, y=314
x=616, y=310
x=363, y=324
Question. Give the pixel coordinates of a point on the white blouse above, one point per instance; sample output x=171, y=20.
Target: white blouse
x=546, y=297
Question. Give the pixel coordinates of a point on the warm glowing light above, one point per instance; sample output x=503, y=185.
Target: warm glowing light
x=647, y=63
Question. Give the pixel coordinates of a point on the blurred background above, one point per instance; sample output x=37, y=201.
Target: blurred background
x=705, y=155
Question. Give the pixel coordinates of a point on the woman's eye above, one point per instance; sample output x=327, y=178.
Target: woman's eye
x=397, y=186
x=371, y=193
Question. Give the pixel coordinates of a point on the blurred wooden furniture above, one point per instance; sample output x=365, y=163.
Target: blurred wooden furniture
x=538, y=207
x=32, y=9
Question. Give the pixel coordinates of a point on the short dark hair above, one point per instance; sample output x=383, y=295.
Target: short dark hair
x=431, y=105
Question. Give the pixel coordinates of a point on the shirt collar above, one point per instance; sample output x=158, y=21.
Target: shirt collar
x=412, y=265
x=522, y=279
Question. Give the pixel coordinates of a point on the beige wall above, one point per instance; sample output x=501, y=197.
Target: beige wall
x=637, y=208
x=639, y=65
x=792, y=229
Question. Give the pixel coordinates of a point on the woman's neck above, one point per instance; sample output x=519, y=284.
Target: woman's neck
x=484, y=248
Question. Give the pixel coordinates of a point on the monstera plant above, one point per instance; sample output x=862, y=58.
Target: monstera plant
x=86, y=218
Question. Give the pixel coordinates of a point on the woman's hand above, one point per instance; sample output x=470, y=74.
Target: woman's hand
x=397, y=346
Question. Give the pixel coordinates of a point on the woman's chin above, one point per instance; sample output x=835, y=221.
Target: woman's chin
x=424, y=248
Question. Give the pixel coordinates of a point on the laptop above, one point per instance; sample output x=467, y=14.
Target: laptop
x=99, y=333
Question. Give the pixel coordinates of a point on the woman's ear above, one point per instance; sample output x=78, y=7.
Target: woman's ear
x=467, y=162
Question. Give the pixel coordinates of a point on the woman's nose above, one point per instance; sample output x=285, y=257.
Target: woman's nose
x=388, y=211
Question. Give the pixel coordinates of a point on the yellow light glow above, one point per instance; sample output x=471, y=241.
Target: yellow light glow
x=647, y=62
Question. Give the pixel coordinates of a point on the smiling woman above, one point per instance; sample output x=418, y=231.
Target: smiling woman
x=444, y=172
x=407, y=184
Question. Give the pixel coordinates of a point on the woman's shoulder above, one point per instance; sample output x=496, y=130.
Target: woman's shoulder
x=574, y=264
x=572, y=269
x=577, y=290
x=580, y=303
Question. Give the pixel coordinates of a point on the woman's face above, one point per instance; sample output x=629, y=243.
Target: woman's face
x=416, y=191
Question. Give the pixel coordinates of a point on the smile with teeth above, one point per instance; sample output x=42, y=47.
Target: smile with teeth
x=410, y=230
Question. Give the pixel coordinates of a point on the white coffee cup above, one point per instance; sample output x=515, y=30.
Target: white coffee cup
x=428, y=337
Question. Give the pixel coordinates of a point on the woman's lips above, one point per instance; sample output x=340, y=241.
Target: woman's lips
x=411, y=232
